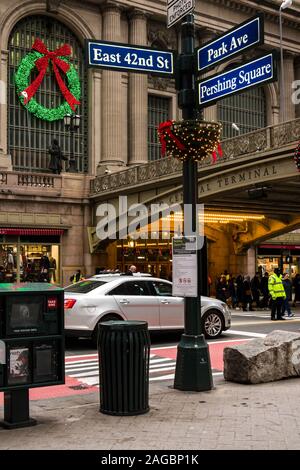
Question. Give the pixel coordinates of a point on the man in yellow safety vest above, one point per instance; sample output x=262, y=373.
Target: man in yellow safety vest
x=277, y=293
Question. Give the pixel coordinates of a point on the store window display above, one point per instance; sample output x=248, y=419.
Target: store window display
x=29, y=263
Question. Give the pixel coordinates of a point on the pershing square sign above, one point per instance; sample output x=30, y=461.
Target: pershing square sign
x=254, y=73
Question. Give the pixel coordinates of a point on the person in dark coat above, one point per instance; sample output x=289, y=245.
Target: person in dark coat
x=76, y=277
x=56, y=157
x=44, y=268
x=265, y=290
x=222, y=289
x=247, y=294
x=255, y=289
x=296, y=285
x=288, y=287
x=232, y=291
x=239, y=290
x=131, y=270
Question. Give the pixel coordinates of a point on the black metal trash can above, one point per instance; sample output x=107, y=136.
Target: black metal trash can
x=124, y=352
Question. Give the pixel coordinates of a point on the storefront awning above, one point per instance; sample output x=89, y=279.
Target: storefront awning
x=31, y=231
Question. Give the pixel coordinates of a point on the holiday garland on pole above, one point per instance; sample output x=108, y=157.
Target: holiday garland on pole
x=190, y=139
x=40, y=58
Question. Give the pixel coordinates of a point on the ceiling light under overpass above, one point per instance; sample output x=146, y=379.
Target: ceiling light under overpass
x=219, y=217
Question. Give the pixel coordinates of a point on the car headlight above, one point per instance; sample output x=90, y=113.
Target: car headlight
x=226, y=308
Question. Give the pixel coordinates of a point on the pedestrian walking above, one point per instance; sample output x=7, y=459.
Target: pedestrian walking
x=277, y=293
x=239, y=290
x=296, y=285
x=265, y=291
x=255, y=289
x=76, y=277
x=132, y=269
x=222, y=289
x=287, y=284
x=247, y=294
x=231, y=301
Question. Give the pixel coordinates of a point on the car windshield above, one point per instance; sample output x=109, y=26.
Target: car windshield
x=84, y=287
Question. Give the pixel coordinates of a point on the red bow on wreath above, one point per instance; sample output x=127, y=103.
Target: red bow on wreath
x=42, y=65
x=165, y=128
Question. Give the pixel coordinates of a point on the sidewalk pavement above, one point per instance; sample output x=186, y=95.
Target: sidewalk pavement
x=232, y=416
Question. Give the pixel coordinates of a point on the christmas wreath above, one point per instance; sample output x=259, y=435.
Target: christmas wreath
x=297, y=156
x=190, y=139
x=40, y=58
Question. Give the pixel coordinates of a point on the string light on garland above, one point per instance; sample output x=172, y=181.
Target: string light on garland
x=40, y=58
x=189, y=139
x=297, y=156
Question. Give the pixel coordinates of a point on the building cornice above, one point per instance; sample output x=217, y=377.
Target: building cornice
x=290, y=16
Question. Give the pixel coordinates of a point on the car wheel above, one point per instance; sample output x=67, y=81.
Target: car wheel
x=110, y=317
x=212, y=324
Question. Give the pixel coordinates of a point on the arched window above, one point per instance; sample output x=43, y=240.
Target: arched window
x=28, y=136
x=247, y=110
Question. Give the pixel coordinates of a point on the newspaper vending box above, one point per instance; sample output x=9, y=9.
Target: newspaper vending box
x=31, y=345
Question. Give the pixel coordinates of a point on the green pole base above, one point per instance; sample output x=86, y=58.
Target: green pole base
x=193, y=369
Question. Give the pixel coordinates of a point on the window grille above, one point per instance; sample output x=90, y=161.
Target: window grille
x=28, y=136
x=158, y=111
x=247, y=110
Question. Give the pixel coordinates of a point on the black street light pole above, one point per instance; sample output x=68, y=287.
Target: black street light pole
x=193, y=369
x=72, y=123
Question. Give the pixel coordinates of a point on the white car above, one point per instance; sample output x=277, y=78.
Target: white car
x=98, y=299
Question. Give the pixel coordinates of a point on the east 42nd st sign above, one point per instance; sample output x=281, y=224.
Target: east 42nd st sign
x=118, y=56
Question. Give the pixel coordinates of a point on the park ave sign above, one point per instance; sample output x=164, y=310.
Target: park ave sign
x=237, y=40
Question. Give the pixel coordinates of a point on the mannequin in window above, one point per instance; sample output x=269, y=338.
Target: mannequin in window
x=44, y=266
x=52, y=268
x=10, y=261
x=56, y=157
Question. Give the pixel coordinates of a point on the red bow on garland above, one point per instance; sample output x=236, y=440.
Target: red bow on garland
x=42, y=65
x=165, y=127
x=214, y=154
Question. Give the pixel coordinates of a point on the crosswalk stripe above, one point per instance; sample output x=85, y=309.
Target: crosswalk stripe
x=244, y=333
x=159, y=359
x=80, y=361
x=81, y=367
x=163, y=368
x=168, y=362
x=83, y=374
x=79, y=373
x=162, y=377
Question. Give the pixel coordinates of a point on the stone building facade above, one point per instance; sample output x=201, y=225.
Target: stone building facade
x=40, y=210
